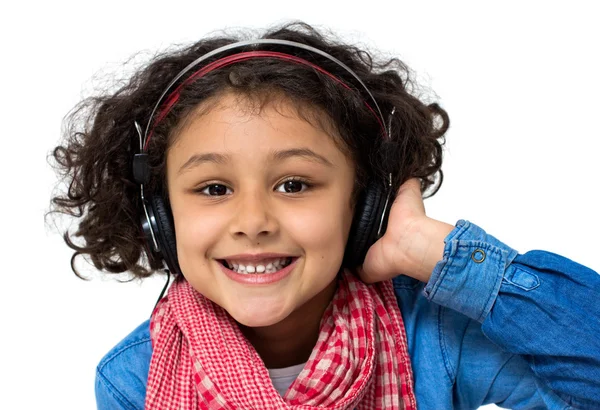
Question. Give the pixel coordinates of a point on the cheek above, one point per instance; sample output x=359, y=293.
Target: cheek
x=321, y=227
x=196, y=228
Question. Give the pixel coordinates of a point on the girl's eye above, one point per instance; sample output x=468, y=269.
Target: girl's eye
x=292, y=186
x=215, y=190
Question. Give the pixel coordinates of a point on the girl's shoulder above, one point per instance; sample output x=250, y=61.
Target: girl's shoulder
x=122, y=373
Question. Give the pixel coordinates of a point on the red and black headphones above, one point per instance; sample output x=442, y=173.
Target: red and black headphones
x=373, y=205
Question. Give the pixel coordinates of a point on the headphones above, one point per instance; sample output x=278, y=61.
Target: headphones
x=372, y=207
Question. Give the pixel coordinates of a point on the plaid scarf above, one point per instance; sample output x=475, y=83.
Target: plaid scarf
x=201, y=360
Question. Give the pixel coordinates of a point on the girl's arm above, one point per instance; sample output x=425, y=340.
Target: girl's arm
x=540, y=306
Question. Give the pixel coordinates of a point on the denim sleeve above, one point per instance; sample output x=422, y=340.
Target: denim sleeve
x=539, y=305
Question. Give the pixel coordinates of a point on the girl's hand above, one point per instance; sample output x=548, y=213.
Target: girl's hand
x=412, y=244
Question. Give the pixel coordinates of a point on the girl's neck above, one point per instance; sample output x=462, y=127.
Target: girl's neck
x=292, y=340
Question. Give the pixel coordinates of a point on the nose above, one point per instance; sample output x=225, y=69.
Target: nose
x=253, y=217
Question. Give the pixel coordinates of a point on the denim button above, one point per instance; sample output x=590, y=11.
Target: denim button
x=478, y=255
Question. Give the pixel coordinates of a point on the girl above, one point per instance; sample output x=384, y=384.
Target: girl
x=268, y=176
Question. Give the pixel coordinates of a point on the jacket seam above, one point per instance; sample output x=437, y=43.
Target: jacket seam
x=500, y=266
x=108, y=359
x=445, y=357
x=510, y=357
x=441, y=276
x=113, y=391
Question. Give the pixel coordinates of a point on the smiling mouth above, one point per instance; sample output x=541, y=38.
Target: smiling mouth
x=271, y=265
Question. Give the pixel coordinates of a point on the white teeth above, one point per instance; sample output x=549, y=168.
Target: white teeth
x=271, y=267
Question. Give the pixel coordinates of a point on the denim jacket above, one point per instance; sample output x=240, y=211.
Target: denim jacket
x=490, y=326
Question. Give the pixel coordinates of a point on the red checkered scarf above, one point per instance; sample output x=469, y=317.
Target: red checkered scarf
x=201, y=360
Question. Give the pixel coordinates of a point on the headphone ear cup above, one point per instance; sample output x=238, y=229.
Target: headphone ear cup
x=166, y=233
x=369, y=212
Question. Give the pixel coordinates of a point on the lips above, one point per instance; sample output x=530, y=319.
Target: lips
x=256, y=265
x=259, y=279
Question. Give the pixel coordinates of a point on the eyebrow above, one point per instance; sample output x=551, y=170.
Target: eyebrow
x=305, y=153
x=198, y=159
x=221, y=159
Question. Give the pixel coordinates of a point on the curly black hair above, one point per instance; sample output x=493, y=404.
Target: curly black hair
x=100, y=140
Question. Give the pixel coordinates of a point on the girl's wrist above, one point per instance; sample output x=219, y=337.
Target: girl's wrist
x=426, y=249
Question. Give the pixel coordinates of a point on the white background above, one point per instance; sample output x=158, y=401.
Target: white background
x=519, y=80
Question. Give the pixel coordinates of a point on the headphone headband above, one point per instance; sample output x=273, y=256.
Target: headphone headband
x=242, y=44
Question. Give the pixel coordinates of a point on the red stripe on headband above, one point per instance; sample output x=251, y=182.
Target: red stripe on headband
x=172, y=99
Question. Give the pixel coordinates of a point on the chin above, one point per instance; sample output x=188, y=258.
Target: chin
x=257, y=317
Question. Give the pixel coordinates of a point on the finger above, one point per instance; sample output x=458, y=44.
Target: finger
x=409, y=196
x=411, y=189
x=373, y=268
x=412, y=184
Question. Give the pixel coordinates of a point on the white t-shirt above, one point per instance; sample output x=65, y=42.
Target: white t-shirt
x=283, y=378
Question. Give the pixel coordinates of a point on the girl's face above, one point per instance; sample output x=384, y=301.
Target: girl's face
x=258, y=192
